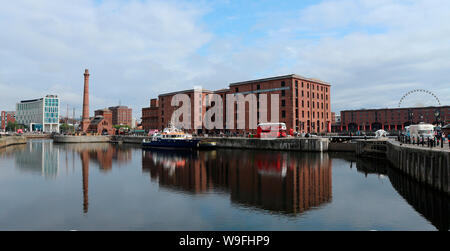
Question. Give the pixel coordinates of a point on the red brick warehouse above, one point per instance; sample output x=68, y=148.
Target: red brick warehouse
x=304, y=103
x=393, y=119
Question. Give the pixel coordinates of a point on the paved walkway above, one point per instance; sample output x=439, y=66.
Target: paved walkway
x=437, y=148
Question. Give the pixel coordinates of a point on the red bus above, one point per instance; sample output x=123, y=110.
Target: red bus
x=271, y=130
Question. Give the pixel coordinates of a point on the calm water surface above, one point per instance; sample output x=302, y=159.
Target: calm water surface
x=46, y=186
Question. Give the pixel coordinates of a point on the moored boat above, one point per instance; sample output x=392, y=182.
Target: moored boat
x=171, y=137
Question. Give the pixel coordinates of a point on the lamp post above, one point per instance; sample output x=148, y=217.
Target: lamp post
x=410, y=117
x=436, y=115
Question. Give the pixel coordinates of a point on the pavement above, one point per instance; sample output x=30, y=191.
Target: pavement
x=446, y=147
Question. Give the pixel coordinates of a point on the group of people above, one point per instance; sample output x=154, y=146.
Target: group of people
x=439, y=139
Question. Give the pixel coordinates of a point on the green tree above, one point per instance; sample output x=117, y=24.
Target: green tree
x=64, y=128
x=12, y=126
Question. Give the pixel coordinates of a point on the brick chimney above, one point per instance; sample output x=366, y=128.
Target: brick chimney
x=85, y=118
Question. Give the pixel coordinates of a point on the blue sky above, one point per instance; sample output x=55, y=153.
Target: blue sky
x=372, y=52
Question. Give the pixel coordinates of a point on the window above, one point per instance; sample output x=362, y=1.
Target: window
x=258, y=87
x=283, y=93
x=302, y=84
x=283, y=83
x=283, y=114
x=237, y=89
x=303, y=114
x=296, y=84
x=283, y=103
x=303, y=103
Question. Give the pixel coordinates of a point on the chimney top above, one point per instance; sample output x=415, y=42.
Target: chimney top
x=86, y=71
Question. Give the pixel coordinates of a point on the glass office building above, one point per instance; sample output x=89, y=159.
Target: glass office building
x=39, y=114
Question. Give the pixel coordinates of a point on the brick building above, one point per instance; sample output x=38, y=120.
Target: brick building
x=7, y=117
x=392, y=119
x=304, y=104
x=102, y=123
x=121, y=115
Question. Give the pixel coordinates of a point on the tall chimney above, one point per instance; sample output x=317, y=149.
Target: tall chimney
x=85, y=118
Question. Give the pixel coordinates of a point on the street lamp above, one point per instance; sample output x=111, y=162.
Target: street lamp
x=436, y=114
x=411, y=114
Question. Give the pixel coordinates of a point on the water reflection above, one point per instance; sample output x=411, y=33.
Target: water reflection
x=280, y=182
x=431, y=204
x=102, y=154
x=39, y=157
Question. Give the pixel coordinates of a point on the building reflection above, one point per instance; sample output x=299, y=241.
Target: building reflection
x=104, y=155
x=433, y=205
x=179, y=170
x=38, y=157
x=281, y=182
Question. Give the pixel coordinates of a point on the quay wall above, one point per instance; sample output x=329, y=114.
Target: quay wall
x=341, y=147
x=80, y=139
x=295, y=144
x=128, y=139
x=38, y=136
x=12, y=140
x=425, y=165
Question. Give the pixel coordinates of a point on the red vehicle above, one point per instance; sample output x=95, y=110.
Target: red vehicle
x=271, y=130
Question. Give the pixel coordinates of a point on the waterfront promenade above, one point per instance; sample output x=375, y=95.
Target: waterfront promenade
x=427, y=165
x=12, y=140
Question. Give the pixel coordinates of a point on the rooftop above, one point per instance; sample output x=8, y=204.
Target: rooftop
x=398, y=108
x=185, y=91
x=281, y=77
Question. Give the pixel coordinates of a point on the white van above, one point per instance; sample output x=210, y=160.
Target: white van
x=422, y=129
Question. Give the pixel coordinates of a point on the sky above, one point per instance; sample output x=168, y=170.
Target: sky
x=372, y=52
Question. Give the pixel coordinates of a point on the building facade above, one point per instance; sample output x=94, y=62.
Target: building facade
x=121, y=115
x=304, y=104
x=393, y=119
x=39, y=114
x=101, y=123
x=7, y=117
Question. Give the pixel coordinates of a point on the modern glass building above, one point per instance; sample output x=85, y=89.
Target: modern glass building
x=39, y=114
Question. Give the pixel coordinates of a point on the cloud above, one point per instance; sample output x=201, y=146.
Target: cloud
x=133, y=49
x=381, y=49
x=372, y=52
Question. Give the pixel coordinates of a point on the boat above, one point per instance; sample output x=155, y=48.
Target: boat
x=171, y=137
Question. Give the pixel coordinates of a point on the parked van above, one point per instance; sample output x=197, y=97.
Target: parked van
x=422, y=130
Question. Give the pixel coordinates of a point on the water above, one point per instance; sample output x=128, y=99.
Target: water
x=46, y=186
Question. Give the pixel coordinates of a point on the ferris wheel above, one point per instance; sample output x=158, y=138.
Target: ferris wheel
x=419, y=91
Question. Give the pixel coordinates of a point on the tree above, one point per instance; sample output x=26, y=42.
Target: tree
x=12, y=126
x=64, y=128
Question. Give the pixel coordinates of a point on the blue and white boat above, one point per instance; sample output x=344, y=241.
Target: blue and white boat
x=171, y=137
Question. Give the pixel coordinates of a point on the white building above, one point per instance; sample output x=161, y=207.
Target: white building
x=39, y=114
